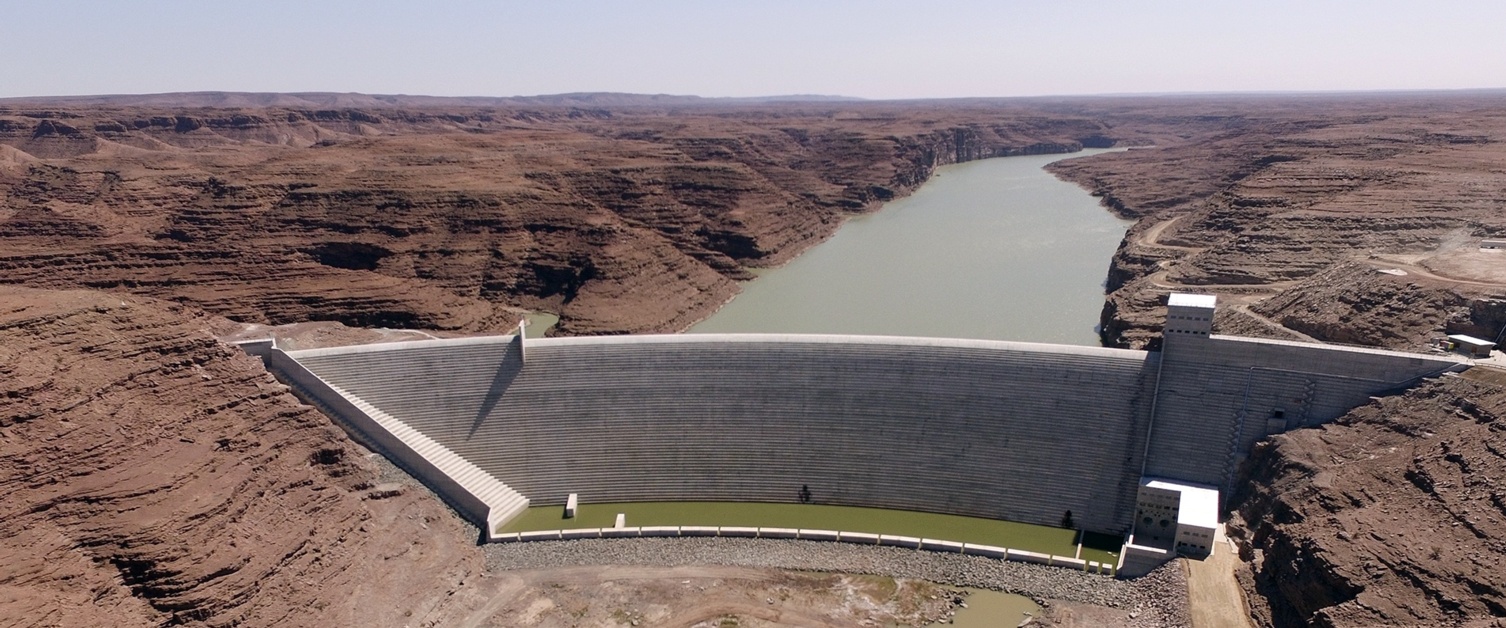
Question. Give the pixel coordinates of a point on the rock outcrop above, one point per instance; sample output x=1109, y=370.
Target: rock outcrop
x=1359, y=225
x=1394, y=515
x=154, y=476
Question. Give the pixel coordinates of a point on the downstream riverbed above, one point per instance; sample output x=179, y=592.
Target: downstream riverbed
x=995, y=249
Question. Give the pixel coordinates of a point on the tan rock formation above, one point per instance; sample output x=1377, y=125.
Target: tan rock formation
x=154, y=476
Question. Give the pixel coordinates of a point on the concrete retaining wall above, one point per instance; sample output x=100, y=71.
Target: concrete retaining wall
x=858, y=538
x=1218, y=396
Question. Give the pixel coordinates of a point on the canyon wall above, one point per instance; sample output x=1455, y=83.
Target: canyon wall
x=154, y=476
x=1383, y=517
x=1283, y=198
x=1393, y=515
x=620, y=221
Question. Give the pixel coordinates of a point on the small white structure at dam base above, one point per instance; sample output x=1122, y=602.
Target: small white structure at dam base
x=1171, y=518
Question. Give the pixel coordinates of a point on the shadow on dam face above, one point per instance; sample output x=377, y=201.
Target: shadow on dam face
x=507, y=372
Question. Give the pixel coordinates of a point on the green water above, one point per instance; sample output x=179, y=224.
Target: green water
x=995, y=249
x=539, y=324
x=1022, y=536
x=992, y=609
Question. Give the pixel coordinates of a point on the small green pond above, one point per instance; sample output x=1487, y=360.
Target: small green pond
x=992, y=609
x=539, y=324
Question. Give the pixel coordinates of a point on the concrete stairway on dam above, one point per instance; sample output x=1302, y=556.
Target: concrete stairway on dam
x=502, y=501
x=994, y=432
x=424, y=456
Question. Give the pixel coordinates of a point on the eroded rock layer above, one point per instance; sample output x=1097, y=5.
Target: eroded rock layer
x=154, y=476
x=1393, y=515
x=1289, y=191
x=621, y=221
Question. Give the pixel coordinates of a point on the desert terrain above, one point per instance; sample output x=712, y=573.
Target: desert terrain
x=154, y=476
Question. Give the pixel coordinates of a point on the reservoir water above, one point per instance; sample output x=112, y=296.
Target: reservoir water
x=995, y=249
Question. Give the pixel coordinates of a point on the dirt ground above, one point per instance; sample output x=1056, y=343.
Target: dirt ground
x=692, y=597
x=1213, y=594
x=1470, y=264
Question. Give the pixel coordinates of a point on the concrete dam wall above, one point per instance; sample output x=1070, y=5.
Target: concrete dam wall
x=992, y=429
x=1004, y=430
x=1220, y=395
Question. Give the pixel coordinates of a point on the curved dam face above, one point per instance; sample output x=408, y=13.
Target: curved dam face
x=1003, y=430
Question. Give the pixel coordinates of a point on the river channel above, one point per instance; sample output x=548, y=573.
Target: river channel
x=995, y=249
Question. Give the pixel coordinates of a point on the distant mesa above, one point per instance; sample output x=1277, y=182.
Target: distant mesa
x=346, y=100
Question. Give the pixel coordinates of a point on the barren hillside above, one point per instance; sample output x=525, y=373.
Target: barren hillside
x=154, y=476
x=1294, y=191
x=1391, y=516
x=620, y=221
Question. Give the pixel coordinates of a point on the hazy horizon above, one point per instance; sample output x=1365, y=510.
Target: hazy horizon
x=835, y=98
x=881, y=50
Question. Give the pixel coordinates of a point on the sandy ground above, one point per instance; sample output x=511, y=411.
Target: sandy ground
x=1471, y=264
x=1213, y=594
x=320, y=334
x=693, y=597
x=1495, y=373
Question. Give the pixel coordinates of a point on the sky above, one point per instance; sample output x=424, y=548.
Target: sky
x=869, y=49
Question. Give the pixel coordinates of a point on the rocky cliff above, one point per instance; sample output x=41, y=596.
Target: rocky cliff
x=1359, y=224
x=1393, y=515
x=155, y=477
